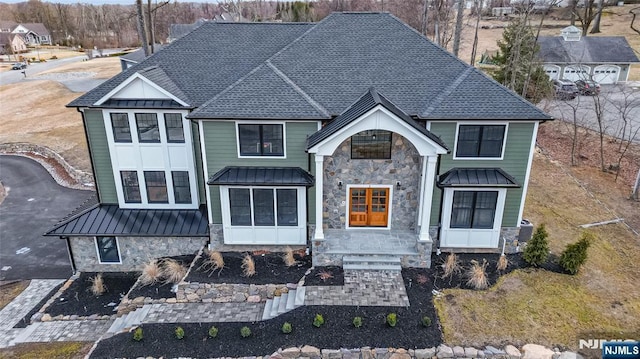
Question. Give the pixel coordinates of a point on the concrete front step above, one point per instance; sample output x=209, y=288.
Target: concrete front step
x=386, y=267
x=129, y=320
x=372, y=262
x=284, y=303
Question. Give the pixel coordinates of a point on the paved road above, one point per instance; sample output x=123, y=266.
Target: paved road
x=13, y=76
x=613, y=99
x=35, y=203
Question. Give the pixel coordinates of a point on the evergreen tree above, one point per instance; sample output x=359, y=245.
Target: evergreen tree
x=574, y=256
x=518, y=66
x=537, y=249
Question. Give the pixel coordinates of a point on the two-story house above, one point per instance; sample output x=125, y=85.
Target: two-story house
x=352, y=135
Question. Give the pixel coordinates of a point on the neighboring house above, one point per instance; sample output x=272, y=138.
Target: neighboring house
x=33, y=33
x=571, y=56
x=348, y=136
x=135, y=57
x=11, y=44
x=177, y=31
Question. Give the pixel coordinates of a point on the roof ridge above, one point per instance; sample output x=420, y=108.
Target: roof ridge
x=445, y=92
x=298, y=89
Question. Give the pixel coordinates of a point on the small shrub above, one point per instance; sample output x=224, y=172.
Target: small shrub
x=248, y=266
x=324, y=275
x=537, y=250
x=392, y=319
x=97, y=285
x=287, y=328
x=245, y=332
x=173, y=271
x=357, y=322
x=477, y=275
x=137, y=334
x=318, y=321
x=288, y=258
x=213, y=332
x=179, y=333
x=502, y=264
x=451, y=265
x=426, y=321
x=575, y=254
x=151, y=273
x=54, y=57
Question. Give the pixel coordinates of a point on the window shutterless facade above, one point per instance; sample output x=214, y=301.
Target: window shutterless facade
x=120, y=126
x=156, y=187
x=261, y=140
x=130, y=186
x=108, y=251
x=147, y=124
x=480, y=141
x=371, y=144
x=473, y=209
x=173, y=124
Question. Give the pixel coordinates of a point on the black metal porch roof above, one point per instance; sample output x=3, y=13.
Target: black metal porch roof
x=262, y=176
x=476, y=177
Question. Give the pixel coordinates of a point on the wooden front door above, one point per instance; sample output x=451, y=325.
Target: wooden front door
x=368, y=207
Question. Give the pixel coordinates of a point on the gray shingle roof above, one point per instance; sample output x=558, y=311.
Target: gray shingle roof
x=262, y=176
x=368, y=101
x=138, y=55
x=177, y=31
x=476, y=177
x=156, y=75
x=109, y=220
x=316, y=71
x=590, y=49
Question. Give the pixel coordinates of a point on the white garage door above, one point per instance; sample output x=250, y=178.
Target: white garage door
x=576, y=72
x=552, y=71
x=606, y=74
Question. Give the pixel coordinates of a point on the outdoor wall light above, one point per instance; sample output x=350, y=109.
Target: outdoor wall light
x=398, y=184
x=340, y=184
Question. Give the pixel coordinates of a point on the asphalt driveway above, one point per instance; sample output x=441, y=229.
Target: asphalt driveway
x=34, y=203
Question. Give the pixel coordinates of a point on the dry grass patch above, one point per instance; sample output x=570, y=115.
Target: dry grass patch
x=151, y=273
x=502, y=264
x=104, y=67
x=10, y=291
x=549, y=308
x=477, y=275
x=55, y=350
x=248, y=266
x=212, y=262
x=288, y=258
x=173, y=271
x=451, y=266
x=97, y=285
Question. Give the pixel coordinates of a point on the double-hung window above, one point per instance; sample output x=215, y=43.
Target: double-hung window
x=120, y=126
x=473, y=209
x=261, y=140
x=173, y=124
x=130, y=186
x=481, y=141
x=181, y=187
x=263, y=207
x=156, y=187
x=147, y=124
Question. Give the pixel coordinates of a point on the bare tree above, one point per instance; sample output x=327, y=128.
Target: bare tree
x=142, y=28
x=478, y=6
x=596, y=22
x=458, y=30
x=629, y=133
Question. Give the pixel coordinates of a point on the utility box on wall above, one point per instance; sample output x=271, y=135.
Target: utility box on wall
x=526, y=231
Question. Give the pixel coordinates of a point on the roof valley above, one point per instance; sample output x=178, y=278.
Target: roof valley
x=297, y=88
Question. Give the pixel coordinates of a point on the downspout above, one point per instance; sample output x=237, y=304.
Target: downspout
x=441, y=205
x=70, y=252
x=93, y=169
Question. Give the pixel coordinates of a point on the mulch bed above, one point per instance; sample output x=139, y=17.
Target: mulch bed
x=269, y=267
x=160, y=289
x=26, y=320
x=315, y=277
x=459, y=280
x=78, y=299
x=337, y=332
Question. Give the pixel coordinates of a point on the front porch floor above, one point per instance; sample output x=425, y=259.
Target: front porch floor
x=370, y=241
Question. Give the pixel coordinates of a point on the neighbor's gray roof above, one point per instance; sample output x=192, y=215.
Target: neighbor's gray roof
x=316, y=71
x=262, y=176
x=36, y=27
x=110, y=220
x=367, y=102
x=476, y=177
x=177, y=31
x=590, y=49
x=138, y=55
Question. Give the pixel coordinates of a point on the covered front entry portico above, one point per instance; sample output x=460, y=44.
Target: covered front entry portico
x=373, y=197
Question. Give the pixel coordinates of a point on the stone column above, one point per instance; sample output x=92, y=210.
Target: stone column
x=429, y=163
x=319, y=198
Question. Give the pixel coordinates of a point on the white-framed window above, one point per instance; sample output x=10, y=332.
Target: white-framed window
x=473, y=209
x=181, y=186
x=173, y=125
x=130, y=186
x=260, y=139
x=120, y=127
x=156, y=184
x=480, y=141
x=147, y=125
x=108, y=250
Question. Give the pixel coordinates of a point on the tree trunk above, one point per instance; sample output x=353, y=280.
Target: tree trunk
x=596, y=22
x=573, y=4
x=152, y=36
x=425, y=22
x=474, y=48
x=458, y=31
x=636, y=188
x=142, y=32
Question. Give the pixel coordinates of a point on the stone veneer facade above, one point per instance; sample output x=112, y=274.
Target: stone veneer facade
x=134, y=251
x=405, y=166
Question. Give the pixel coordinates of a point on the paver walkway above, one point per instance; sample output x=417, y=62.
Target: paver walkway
x=362, y=288
x=204, y=312
x=67, y=330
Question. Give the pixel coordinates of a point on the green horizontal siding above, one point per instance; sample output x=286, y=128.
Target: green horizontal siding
x=515, y=161
x=199, y=172
x=221, y=151
x=101, y=160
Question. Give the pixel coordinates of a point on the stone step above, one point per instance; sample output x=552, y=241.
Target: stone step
x=382, y=267
x=275, y=306
x=384, y=259
x=25, y=334
x=374, y=252
x=300, y=292
x=282, y=307
x=266, y=313
x=291, y=300
x=117, y=325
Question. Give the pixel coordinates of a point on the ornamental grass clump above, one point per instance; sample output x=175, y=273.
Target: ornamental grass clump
x=151, y=273
x=537, y=249
x=248, y=266
x=318, y=321
x=287, y=328
x=137, y=334
x=324, y=275
x=392, y=320
x=213, y=332
x=213, y=261
x=288, y=258
x=245, y=332
x=477, y=275
x=502, y=264
x=451, y=266
x=357, y=322
x=575, y=254
x=97, y=285
x=179, y=333
x=172, y=271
